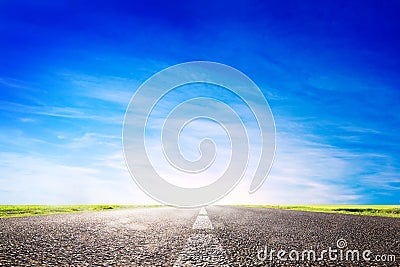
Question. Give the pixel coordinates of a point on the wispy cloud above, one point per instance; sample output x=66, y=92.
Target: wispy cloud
x=39, y=180
x=11, y=83
x=63, y=112
x=112, y=89
x=92, y=140
x=304, y=172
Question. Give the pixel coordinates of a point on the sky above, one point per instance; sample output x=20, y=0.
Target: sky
x=329, y=71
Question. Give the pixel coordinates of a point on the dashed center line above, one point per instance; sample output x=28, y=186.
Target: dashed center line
x=203, y=211
x=202, y=222
x=202, y=248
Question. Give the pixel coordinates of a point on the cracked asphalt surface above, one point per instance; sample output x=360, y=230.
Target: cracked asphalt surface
x=165, y=237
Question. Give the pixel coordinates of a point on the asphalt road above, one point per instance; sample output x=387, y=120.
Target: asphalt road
x=217, y=236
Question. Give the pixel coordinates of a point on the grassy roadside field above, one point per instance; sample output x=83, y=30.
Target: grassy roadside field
x=34, y=210
x=370, y=210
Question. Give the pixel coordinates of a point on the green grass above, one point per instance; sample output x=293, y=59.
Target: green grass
x=370, y=210
x=34, y=210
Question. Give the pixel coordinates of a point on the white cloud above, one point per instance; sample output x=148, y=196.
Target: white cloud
x=27, y=120
x=112, y=89
x=33, y=179
x=303, y=173
x=93, y=139
x=108, y=116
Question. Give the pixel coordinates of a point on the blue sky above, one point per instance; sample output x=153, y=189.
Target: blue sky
x=329, y=72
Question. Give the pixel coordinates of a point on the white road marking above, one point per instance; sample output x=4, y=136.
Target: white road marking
x=202, y=222
x=203, y=211
x=202, y=249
